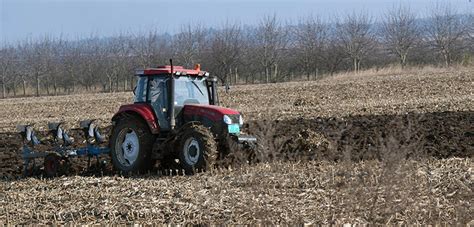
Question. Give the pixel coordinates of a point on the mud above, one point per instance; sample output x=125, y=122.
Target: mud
x=355, y=138
x=414, y=135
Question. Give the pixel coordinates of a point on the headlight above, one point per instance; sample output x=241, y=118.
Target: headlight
x=241, y=120
x=227, y=120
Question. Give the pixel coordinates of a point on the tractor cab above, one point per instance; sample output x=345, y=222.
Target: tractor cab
x=168, y=93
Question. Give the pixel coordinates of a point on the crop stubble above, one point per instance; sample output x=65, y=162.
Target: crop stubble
x=368, y=124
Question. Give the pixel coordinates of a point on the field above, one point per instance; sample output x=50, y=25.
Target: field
x=384, y=146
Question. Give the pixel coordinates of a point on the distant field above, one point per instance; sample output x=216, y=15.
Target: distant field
x=426, y=91
x=354, y=132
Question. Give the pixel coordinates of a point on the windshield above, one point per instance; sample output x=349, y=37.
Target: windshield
x=190, y=90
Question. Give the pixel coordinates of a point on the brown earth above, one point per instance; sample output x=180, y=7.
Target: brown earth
x=347, y=122
x=380, y=192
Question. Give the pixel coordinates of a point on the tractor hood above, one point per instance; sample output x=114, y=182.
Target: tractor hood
x=214, y=113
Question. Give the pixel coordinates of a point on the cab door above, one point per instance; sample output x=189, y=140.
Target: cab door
x=158, y=98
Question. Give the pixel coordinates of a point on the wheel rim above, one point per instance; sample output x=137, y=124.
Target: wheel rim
x=128, y=147
x=51, y=166
x=191, y=151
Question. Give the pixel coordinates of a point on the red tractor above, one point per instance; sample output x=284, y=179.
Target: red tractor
x=175, y=119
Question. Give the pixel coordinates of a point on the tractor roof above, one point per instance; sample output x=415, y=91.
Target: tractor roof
x=166, y=69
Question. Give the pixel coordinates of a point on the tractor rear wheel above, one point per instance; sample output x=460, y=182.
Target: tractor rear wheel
x=130, y=146
x=197, y=149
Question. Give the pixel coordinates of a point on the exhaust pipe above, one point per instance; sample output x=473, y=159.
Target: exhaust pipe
x=172, y=119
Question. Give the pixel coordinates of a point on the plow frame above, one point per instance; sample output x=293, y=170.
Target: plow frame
x=66, y=151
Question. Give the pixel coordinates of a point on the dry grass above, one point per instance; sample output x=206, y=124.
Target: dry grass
x=361, y=150
x=423, y=192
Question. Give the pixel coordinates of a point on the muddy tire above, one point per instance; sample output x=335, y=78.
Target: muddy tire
x=196, y=149
x=130, y=146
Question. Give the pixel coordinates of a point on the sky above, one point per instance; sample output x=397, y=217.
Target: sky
x=73, y=19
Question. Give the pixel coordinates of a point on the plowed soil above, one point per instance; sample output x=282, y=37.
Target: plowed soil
x=345, y=125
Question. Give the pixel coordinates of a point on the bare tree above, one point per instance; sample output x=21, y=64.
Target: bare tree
x=113, y=53
x=149, y=49
x=38, y=59
x=6, y=63
x=21, y=72
x=226, y=50
x=71, y=66
x=311, y=36
x=470, y=32
x=124, y=64
x=248, y=65
x=400, y=32
x=445, y=31
x=55, y=70
x=332, y=53
x=189, y=43
x=266, y=53
x=92, y=62
x=271, y=39
x=357, y=37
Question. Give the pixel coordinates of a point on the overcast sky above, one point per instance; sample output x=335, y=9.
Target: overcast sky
x=21, y=19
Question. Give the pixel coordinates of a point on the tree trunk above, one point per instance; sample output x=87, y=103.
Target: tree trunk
x=355, y=65
x=116, y=83
x=24, y=88
x=236, y=76
x=267, y=75
x=403, y=60
x=110, y=84
x=125, y=84
x=275, y=77
x=37, y=85
x=308, y=71
x=55, y=88
x=447, y=59
x=3, y=88
x=14, y=89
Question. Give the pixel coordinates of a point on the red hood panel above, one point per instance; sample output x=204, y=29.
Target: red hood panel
x=210, y=111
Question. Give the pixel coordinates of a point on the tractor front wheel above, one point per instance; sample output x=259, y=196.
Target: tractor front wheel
x=130, y=146
x=197, y=149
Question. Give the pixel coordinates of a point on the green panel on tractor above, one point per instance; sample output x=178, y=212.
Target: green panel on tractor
x=234, y=128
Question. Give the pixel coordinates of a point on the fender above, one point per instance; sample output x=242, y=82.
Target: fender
x=142, y=110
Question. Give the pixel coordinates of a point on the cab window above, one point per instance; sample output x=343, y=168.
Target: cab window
x=140, y=90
